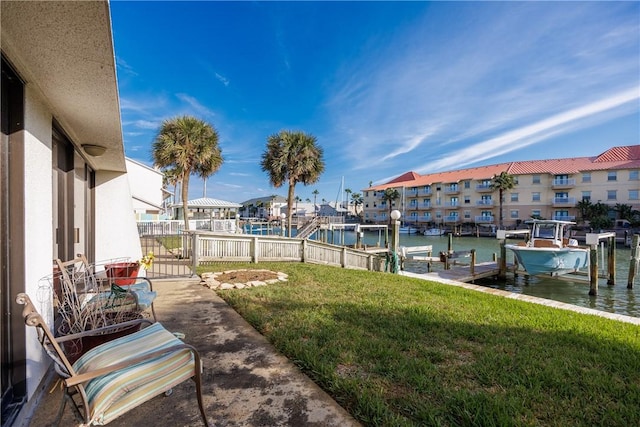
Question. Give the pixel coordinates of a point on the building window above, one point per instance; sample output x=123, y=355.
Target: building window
x=535, y=179
x=514, y=214
x=366, y=205
x=586, y=195
x=467, y=184
x=414, y=215
x=612, y=176
x=586, y=177
x=611, y=194
x=633, y=194
x=366, y=194
x=535, y=213
x=514, y=197
x=467, y=199
x=535, y=197
x=467, y=214
x=633, y=175
x=413, y=203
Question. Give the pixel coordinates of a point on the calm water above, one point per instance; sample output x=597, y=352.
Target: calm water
x=615, y=299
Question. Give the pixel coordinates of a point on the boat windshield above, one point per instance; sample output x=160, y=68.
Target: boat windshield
x=545, y=231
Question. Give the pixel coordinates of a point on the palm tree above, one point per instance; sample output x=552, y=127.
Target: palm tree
x=584, y=206
x=389, y=196
x=503, y=182
x=188, y=146
x=357, y=200
x=315, y=196
x=170, y=177
x=624, y=211
x=292, y=157
x=348, y=192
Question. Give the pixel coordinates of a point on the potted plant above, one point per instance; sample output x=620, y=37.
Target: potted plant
x=125, y=272
x=87, y=302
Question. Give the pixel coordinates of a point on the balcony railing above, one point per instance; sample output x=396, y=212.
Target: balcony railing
x=452, y=205
x=484, y=187
x=563, y=201
x=451, y=218
x=484, y=219
x=484, y=202
x=451, y=190
x=564, y=217
x=563, y=183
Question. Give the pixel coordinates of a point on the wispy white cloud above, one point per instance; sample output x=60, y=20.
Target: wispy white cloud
x=194, y=104
x=433, y=97
x=222, y=79
x=124, y=67
x=531, y=134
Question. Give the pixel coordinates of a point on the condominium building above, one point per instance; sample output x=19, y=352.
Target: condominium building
x=544, y=188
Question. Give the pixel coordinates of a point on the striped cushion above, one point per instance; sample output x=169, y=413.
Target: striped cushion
x=114, y=394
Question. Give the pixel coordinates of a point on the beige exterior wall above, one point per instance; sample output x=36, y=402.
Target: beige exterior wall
x=471, y=201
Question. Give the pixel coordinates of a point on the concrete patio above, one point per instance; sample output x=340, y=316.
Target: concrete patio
x=245, y=383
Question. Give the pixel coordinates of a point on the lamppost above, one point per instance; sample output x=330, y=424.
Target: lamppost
x=395, y=229
x=282, y=217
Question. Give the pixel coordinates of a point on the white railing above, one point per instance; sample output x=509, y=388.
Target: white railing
x=219, y=247
x=164, y=227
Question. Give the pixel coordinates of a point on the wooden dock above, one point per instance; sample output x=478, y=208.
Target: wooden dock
x=463, y=273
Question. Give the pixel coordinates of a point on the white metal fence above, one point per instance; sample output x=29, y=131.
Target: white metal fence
x=210, y=247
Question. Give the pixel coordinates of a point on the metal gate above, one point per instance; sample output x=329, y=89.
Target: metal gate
x=170, y=250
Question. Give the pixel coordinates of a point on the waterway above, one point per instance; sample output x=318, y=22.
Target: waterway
x=614, y=299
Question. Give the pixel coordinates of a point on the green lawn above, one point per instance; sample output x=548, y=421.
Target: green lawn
x=396, y=351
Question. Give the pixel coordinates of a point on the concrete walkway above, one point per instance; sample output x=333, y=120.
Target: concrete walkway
x=246, y=382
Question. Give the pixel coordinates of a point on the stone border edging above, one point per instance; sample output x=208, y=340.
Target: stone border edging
x=210, y=280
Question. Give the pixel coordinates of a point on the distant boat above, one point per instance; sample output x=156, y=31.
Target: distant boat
x=434, y=231
x=548, y=251
x=407, y=230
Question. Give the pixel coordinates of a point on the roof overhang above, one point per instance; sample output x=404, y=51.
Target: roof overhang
x=65, y=49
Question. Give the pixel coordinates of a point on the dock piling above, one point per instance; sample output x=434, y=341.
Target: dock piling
x=593, y=271
x=633, y=263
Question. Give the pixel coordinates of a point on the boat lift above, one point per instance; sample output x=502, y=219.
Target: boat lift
x=593, y=240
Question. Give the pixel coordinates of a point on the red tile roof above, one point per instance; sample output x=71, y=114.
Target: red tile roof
x=614, y=158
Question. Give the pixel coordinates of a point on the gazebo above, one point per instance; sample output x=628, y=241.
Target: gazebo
x=207, y=208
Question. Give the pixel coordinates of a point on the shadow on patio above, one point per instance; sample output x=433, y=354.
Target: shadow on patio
x=245, y=381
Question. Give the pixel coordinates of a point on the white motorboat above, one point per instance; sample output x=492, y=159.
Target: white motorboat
x=434, y=231
x=550, y=250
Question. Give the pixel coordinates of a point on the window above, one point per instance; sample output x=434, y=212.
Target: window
x=586, y=177
x=611, y=194
x=612, y=176
x=633, y=194
x=426, y=203
x=467, y=214
x=514, y=197
x=467, y=184
x=414, y=215
x=633, y=175
x=514, y=214
x=366, y=205
x=467, y=199
x=586, y=195
x=438, y=215
x=535, y=213
x=535, y=179
x=413, y=203
x=427, y=215
x=535, y=197
x=366, y=194
x=454, y=201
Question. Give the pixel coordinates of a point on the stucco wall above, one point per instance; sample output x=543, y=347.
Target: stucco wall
x=116, y=230
x=38, y=230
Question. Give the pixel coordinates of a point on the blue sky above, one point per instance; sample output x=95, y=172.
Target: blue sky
x=386, y=87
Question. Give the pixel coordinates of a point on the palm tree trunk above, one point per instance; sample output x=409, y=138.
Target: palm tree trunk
x=290, y=205
x=501, y=215
x=185, y=200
